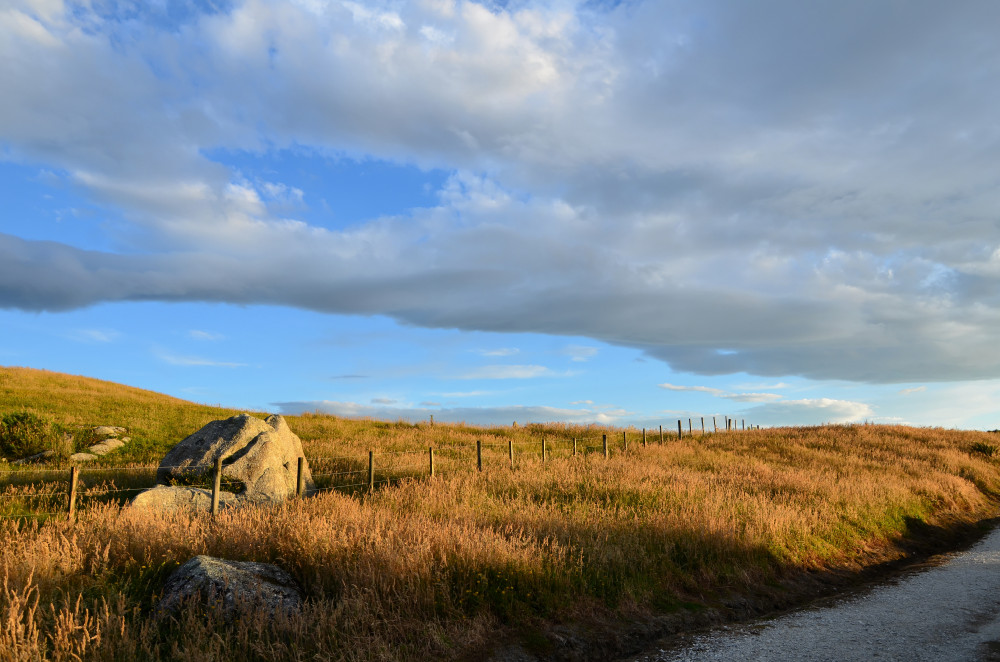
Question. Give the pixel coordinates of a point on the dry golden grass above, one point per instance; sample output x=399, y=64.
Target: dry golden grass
x=436, y=568
x=443, y=568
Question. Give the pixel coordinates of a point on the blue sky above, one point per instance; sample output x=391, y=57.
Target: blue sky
x=622, y=213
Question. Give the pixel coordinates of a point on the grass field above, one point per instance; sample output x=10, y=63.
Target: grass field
x=456, y=566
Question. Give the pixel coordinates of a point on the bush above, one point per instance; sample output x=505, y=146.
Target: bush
x=983, y=448
x=24, y=433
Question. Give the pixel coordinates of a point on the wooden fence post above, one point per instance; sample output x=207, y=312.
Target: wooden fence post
x=479, y=454
x=300, y=478
x=430, y=454
x=678, y=428
x=371, y=470
x=661, y=434
x=574, y=446
x=216, y=485
x=543, y=450
x=644, y=437
x=690, y=429
x=714, y=426
x=702, y=425
x=74, y=477
x=510, y=451
x=604, y=441
x=743, y=423
x=625, y=440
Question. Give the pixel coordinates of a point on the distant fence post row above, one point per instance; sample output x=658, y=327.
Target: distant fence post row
x=300, y=483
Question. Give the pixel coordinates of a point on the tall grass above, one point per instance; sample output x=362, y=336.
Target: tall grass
x=450, y=567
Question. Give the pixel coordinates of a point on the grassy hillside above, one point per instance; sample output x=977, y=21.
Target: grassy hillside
x=558, y=556
x=155, y=421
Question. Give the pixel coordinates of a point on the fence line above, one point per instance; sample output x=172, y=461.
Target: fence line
x=449, y=454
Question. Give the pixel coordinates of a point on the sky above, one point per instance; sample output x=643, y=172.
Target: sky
x=621, y=213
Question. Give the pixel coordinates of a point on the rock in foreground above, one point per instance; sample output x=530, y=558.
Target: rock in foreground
x=178, y=497
x=262, y=456
x=232, y=587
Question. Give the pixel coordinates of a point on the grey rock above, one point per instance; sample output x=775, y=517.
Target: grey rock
x=260, y=455
x=82, y=457
x=102, y=432
x=179, y=497
x=37, y=457
x=106, y=446
x=231, y=586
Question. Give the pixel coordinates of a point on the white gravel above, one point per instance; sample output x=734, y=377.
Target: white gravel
x=946, y=613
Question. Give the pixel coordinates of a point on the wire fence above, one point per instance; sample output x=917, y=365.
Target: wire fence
x=38, y=493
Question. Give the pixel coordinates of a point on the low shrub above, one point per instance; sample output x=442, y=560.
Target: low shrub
x=24, y=433
x=984, y=449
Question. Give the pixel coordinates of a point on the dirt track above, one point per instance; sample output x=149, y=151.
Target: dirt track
x=945, y=613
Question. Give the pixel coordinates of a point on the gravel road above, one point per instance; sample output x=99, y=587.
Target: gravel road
x=945, y=613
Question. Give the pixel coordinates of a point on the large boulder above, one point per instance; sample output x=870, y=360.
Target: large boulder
x=260, y=457
x=231, y=587
x=179, y=497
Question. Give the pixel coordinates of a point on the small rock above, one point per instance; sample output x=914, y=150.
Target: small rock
x=37, y=457
x=102, y=432
x=179, y=497
x=82, y=457
x=231, y=586
x=106, y=446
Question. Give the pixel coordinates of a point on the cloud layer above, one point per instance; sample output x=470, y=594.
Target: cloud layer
x=781, y=188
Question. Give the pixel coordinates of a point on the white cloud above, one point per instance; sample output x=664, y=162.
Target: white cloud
x=580, y=353
x=808, y=412
x=383, y=401
x=910, y=391
x=787, y=175
x=719, y=393
x=196, y=361
x=753, y=397
x=694, y=389
x=96, y=335
x=508, y=372
x=205, y=335
x=471, y=415
x=501, y=351
x=762, y=386
x=464, y=394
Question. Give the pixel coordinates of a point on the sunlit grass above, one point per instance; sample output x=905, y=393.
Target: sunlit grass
x=443, y=568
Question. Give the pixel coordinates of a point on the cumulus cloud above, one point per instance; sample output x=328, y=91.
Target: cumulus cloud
x=727, y=187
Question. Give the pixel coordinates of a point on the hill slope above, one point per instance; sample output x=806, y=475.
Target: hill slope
x=155, y=421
